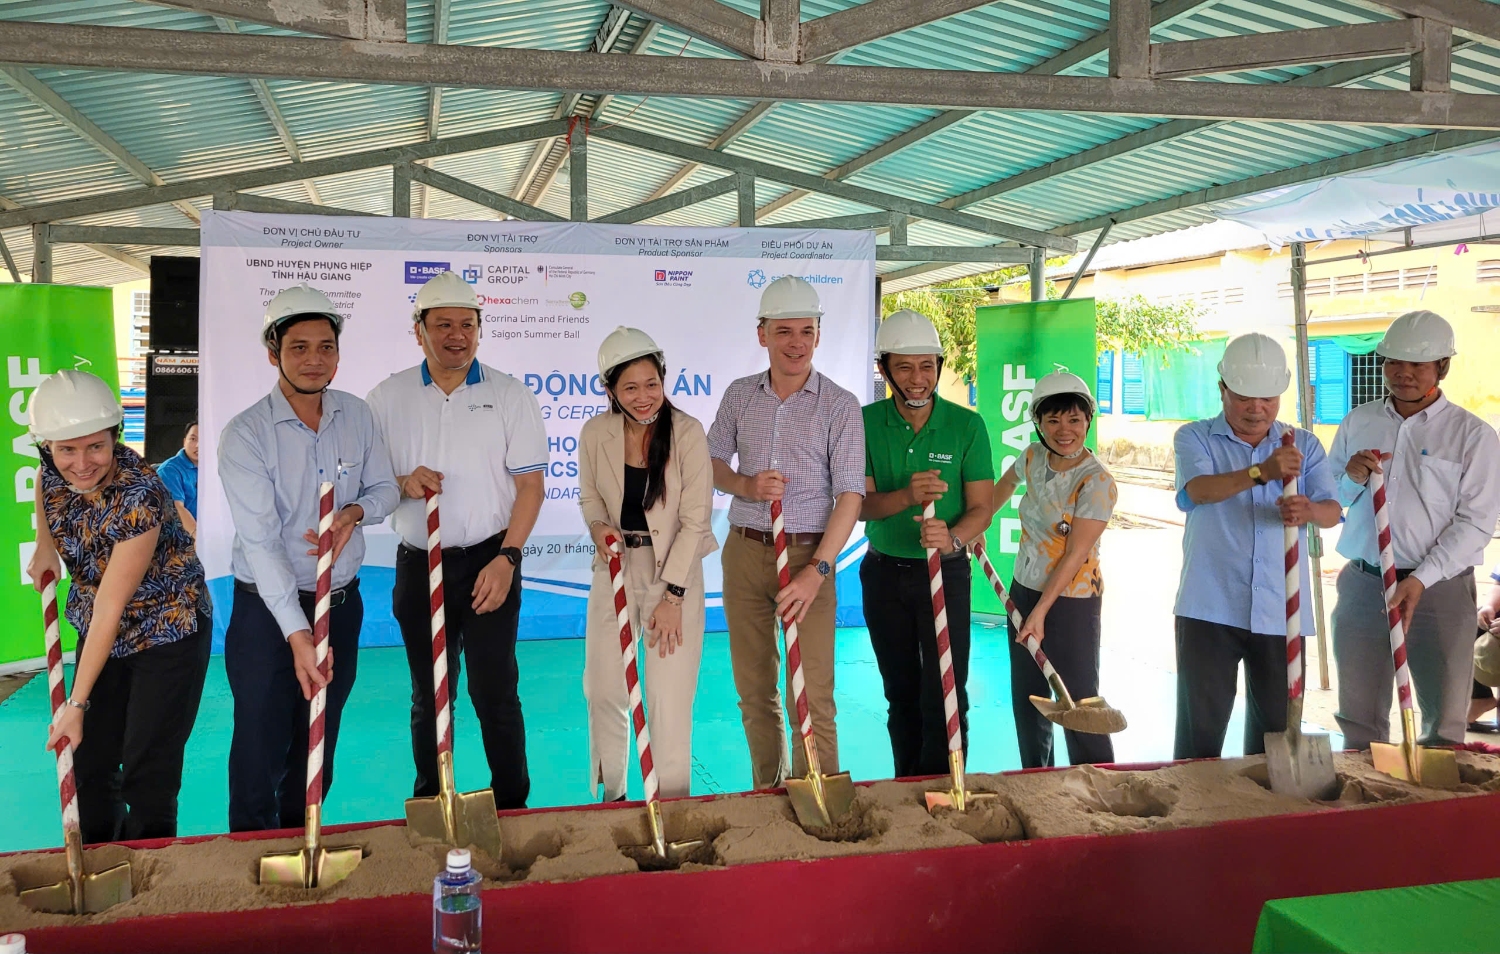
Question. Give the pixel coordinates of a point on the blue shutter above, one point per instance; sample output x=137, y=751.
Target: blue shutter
x=1330, y=365
x=973, y=395
x=1132, y=384
x=1104, y=382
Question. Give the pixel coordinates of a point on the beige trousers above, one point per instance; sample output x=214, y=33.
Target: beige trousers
x=668, y=684
x=750, y=586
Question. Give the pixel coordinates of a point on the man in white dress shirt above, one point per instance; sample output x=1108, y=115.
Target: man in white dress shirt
x=474, y=435
x=1442, y=485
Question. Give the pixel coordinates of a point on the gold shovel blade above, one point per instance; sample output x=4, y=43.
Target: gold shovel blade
x=100, y=890
x=1301, y=765
x=1093, y=715
x=320, y=868
x=1435, y=768
x=821, y=800
x=475, y=821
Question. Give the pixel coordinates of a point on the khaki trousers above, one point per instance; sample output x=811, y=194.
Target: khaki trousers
x=750, y=586
x=668, y=685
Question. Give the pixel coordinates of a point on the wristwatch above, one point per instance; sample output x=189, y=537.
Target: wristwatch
x=677, y=591
x=513, y=554
x=824, y=568
x=1254, y=473
x=958, y=543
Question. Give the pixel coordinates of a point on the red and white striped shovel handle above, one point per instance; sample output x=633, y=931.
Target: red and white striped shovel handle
x=1292, y=536
x=315, y=712
x=793, y=649
x=940, y=626
x=444, y=715
x=67, y=785
x=632, y=673
x=1032, y=646
x=1388, y=576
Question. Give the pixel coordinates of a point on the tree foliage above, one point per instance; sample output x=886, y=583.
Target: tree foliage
x=1137, y=324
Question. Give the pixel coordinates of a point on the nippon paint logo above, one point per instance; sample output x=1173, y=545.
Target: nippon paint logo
x=420, y=273
x=674, y=277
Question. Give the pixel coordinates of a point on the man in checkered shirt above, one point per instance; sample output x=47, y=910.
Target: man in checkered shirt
x=800, y=439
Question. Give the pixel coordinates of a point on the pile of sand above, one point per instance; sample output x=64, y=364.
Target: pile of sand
x=220, y=874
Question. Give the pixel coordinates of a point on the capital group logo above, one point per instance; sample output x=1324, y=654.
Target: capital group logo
x=419, y=273
x=472, y=274
x=756, y=278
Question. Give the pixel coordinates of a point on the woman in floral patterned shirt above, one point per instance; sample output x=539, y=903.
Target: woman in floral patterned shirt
x=140, y=605
x=1058, y=589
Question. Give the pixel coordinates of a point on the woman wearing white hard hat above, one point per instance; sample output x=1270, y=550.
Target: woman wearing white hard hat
x=1442, y=485
x=1231, y=597
x=1058, y=587
x=645, y=484
x=138, y=600
x=920, y=449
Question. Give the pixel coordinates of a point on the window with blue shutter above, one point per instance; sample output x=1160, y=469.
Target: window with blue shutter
x=1330, y=368
x=1132, y=384
x=1104, y=382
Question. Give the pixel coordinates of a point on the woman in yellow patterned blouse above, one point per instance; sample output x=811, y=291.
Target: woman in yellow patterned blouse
x=138, y=601
x=1057, y=586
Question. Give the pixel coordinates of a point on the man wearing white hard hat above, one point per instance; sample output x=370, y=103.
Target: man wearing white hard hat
x=1231, y=601
x=1058, y=587
x=138, y=601
x=1442, y=486
x=272, y=458
x=645, y=482
x=920, y=449
x=790, y=434
x=473, y=435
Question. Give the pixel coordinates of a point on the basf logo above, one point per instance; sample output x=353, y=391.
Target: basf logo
x=756, y=278
x=472, y=274
x=418, y=273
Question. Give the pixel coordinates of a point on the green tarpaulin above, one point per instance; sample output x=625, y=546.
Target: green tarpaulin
x=1182, y=385
x=1356, y=344
x=1458, y=916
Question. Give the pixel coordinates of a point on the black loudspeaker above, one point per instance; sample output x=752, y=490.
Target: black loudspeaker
x=174, y=303
x=171, y=402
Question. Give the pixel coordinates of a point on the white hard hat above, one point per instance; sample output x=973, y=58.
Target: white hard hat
x=789, y=297
x=1418, y=336
x=907, y=332
x=624, y=345
x=71, y=404
x=295, y=301
x=1254, y=366
x=1061, y=381
x=445, y=290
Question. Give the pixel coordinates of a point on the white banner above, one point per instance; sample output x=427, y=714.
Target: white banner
x=551, y=293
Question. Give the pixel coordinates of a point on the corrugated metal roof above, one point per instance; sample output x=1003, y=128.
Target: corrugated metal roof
x=188, y=126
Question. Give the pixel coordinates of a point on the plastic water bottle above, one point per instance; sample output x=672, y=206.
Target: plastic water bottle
x=456, y=908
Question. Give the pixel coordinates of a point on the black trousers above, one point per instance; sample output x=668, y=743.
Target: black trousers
x=489, y=642
x=1208, y=662
x=1070, y=639
x=268, y=754
x=141, y=712
x=898, y=613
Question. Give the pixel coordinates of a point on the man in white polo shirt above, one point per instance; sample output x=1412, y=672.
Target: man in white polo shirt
x=475, y=436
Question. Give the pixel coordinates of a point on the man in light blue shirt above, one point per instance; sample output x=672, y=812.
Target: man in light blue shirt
x=1231, y=603
x=272, y=458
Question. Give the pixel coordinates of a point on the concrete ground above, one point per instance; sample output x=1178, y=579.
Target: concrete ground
x=1142, y=558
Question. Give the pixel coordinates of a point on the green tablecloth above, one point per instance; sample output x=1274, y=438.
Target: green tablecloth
x=1459, y=916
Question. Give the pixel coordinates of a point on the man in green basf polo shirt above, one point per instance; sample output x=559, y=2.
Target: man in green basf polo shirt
x=920, y=448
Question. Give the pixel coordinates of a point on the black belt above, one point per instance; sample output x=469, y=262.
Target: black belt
x=634, y=539
x=879, y=557
x=1376, y=571
x=494, y=541
x=335, y=597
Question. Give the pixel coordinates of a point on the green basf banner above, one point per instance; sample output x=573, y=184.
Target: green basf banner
x=43, y=328
x=1017, y=345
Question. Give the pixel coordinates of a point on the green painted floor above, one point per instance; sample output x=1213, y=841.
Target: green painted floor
x=374, y=771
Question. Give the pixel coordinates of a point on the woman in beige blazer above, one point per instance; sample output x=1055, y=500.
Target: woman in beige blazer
x=645, y=479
